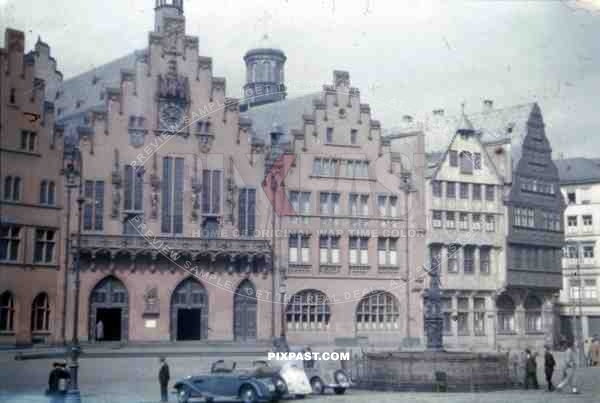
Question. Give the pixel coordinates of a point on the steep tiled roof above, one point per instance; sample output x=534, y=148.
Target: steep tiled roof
x=84, y=91
x=287, y=114
x=495, y=125
x=578, y=170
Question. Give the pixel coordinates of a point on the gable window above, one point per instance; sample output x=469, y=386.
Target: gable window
x=476, y=191
x=464, y=190
x=466, y=162
x=44, y=246
x=212, y=189
x=359, y=251
x=387, y=252
x=453, y=157
x=10, y=238
x=436, y=188
x=28, y=140
x=93, y=209
x=47, y=192
x=134, y=189
x=571, y=197
x=477, y=161
x=451, y=190
x=329, y=249
x=301, y=203
x=353, y=136
x=172, y=195
x=489, y=192
x=247, y=211
x=12, y=188
x=299, y=249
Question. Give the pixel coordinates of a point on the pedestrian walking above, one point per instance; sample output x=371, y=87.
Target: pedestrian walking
x=587, y=346
x=549, y=365
x=99, y=330
x=568, y=374
x=530, y=370
x=163, y=379
x=595, y=351
x=57, y=382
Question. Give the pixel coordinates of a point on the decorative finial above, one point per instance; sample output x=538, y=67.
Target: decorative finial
x=462, y=107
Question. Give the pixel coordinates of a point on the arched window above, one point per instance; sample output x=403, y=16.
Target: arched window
x=40, y=313
x=378, y=311
x=44, y=192
x=51, y=193
x=506, y=314
x=466, y=162
x=7, y=312
x=533, y=314
x=308, y=310
x=7, y=192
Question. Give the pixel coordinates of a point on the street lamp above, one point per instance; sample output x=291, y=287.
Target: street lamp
x=73, y=394
x=283, y=291
x=273, y=186
x=407, y=186
x=71, y=173
x=578, y=330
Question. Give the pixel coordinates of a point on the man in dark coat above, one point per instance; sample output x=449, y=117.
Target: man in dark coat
x=57, y=382
x=163, y=379
x=549, y=365
x=530, y=370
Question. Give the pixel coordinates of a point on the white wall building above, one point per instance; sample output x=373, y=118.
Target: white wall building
x=580, y=185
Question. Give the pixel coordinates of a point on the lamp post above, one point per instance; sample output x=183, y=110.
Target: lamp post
x=282, y=292
x=274, y=187
x=407, y=186
x=578, y=330
x=71, y=174
x=73, y=394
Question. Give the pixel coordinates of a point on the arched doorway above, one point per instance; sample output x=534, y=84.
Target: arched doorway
x=189, y=311
x=244, y=312
x=109, y=304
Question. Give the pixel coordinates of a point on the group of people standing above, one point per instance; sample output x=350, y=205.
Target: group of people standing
x=567, y=382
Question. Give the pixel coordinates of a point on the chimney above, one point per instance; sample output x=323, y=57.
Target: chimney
x=407, y=119
x=438, y=112
x=488, y=105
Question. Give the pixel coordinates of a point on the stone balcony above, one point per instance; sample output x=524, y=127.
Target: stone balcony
x=209, y=252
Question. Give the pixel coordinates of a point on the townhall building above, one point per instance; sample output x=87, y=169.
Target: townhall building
x=177, y=229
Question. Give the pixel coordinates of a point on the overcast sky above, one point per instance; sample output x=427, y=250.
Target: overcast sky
x=407, y=57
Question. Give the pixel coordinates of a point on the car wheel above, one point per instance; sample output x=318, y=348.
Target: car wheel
x=248, y=395
x=183, y=395
x=339, y=391
x=317, y=386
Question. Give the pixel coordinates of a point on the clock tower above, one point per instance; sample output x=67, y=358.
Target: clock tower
x=173, y=100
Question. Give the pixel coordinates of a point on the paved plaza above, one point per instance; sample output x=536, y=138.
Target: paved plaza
x=133, y=380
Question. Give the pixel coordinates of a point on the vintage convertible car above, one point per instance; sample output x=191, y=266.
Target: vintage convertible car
x=292, y=372
x=225, y=382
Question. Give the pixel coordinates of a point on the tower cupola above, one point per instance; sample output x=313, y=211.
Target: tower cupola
x=264, y=75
